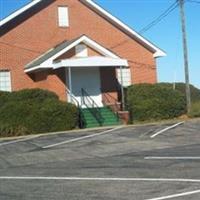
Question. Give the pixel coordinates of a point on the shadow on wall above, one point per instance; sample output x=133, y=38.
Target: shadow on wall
x=43, y=75
x=25, y=15
x=109, y=85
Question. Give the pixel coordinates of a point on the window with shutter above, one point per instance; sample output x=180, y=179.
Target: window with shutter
x=63, y=16
x=126, y=75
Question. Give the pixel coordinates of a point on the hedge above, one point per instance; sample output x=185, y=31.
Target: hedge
x=195, y=92
x=34, y=111
x=154, y=102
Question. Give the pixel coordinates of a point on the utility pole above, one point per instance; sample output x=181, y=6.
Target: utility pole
x=185, y=51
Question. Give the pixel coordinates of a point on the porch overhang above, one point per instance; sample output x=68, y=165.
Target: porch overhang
x=51, y=60
x=96, y=61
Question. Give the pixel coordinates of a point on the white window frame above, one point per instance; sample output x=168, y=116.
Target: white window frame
x=126, y=73
x=63, y=16
x=81, y=50
x=5, y=81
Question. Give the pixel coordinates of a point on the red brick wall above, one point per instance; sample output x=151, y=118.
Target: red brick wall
x=109, y=85
x=37, y=34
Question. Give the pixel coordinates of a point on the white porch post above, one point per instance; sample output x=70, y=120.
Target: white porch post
x=69, y=82
x=122, y=89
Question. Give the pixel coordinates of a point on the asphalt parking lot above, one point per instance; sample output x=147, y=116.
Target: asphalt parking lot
x=115, y=163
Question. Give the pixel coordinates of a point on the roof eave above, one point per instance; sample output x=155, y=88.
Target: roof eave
x=18, y=12
x=84, y=39
x=159, y=54
x=137, y=36
x=145, y=42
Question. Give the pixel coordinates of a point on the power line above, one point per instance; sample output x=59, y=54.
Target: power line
x=31, y=50
x=160, y=17
x=194, y=1
x=153, y=23
x=11, y=45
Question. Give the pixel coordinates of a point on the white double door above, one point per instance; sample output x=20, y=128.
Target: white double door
x=87, y=78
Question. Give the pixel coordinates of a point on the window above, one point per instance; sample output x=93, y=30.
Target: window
x=63, y=16
x=81, y=50
x=126, y=75
x=5, y=81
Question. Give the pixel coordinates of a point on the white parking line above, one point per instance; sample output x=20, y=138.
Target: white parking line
x=19, y=140
x=170, y=158
x=81, y=138
x=97, y=179
x=166, y=129
x=176, y=195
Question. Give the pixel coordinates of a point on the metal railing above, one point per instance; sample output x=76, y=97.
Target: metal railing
x=74, y=101
x=113, y=105
x=92, y=106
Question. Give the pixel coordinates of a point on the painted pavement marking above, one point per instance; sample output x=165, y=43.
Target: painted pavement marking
x=81, y=138
x=176, y=195
x=166, y=129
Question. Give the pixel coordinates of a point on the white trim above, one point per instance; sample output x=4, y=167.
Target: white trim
x=95, y=61
x=158, y=52
x=18, y=12
x=83, y=39
x=35, y=68
x=88, y=42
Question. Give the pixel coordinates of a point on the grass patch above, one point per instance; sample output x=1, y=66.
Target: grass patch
x=195, y=110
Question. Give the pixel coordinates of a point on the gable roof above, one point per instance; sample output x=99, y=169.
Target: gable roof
x=18, y=12
x=157, y=51
x=48, y=54
x=46, y=60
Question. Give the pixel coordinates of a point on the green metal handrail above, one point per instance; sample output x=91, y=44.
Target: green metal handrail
x=92, y=106
x=75, y=102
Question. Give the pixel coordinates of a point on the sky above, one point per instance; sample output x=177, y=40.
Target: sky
x=166, y=34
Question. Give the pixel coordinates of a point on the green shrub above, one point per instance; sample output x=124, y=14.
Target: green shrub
x=33, y=94
x=52, y=115
x=195, y=110
x=195, y=92
x=4, y=97
x=26, y=94
x=35, y=111
x=153, y=102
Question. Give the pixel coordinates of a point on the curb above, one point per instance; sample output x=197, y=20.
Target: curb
x=57, y=133
x=99, y=128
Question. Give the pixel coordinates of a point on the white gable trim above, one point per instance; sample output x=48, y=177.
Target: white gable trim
x=95, y=61
x=158, y=52
x=18, y=12
x=83, y=39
